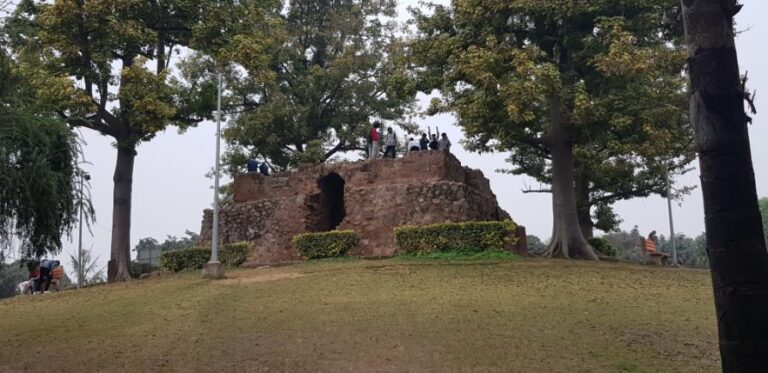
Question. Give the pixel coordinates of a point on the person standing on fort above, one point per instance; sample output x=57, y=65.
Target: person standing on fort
x=424, y=142
x=253, y=165
x=390, y=141
x=444, y=143
x=373, y=139
x=433, y=145
x=413, y=146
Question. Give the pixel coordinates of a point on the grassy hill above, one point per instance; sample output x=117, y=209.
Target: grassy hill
x=375, y=316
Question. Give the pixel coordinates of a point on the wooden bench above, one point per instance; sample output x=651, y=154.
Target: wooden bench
x=655, y=257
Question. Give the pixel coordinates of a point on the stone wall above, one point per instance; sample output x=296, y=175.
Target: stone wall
x=420, y=188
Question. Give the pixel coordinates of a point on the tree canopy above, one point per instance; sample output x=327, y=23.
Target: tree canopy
x=104, y=65
x=333, y=67
x=38, y=169
x=566, y=87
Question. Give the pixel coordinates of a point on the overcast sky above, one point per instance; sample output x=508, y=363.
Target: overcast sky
x=170, y=188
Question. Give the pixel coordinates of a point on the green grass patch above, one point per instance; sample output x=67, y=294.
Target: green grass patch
x=459, y=255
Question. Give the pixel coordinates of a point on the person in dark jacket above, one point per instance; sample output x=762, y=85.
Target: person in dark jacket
x=46, y=267
x=433, y=145
x=424, y=142
x=253, y=166
x=264, y=169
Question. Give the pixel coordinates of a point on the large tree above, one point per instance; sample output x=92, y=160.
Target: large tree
x=105, y=64
x=736, y=247
x=543, y=79
x=38, y=169
x=334, y=66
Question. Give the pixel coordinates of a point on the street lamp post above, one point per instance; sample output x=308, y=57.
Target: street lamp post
x=214, y=269
x=80, y=236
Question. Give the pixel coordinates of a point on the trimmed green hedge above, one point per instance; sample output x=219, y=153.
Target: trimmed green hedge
x=603, y=246
x=232, y=255
x=325, y=244
x=467, y=236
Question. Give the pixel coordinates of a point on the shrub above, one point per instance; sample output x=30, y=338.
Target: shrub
x=179, y=260
x=138, y=269
x=467, y=236
x=232, y=255
x=235, y=254
x=325, y=244
x=602, y=246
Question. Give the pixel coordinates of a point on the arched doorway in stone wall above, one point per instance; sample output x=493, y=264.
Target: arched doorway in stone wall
x=326, y=208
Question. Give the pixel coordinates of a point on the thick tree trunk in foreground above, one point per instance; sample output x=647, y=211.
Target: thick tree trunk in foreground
x=583, y=208
x=567, y=240
x=735, y=243
x=121, y=214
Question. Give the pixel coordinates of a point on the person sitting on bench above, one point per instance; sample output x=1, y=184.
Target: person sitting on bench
x=46, y=269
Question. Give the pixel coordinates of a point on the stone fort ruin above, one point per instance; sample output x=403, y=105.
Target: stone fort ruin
x=369, y=197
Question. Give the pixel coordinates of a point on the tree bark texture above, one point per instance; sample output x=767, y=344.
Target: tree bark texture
x=735, y=243
x=567, y=239
x=583, y=208
x=120, y=254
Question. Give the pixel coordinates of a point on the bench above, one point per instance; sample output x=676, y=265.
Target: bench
x=655, y=257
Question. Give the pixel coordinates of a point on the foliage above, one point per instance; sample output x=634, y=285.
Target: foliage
x=600, y=80
x=691, y=251
x=603, y=246
x=11, y=274
x=192, y=258
x=104, y=65
x=231, y=255
x=535, y=245
x=235, y=254
x=763, y=203
x=171, y=243
x=38, y=169
x=331, y=67
x=467, y=236
x=91, y=273
x=138, y=269
x=325, y=244
x=462, y=254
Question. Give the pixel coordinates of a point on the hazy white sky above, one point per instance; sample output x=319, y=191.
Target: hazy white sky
x=170, y=188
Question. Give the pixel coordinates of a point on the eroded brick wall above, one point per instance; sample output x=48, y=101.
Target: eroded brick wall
x=421, y=188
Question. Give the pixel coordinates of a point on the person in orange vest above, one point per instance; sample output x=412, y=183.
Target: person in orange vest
x=650, y=243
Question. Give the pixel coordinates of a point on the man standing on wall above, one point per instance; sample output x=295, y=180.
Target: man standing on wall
x=373, y=148
x=390, y=140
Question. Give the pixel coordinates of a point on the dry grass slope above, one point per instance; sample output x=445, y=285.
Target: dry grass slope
x=375, y=316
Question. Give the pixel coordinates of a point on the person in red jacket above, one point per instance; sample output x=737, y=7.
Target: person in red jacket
x=373, y=149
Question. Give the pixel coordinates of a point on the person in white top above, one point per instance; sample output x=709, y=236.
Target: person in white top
x=390, y=140
x=413, y=145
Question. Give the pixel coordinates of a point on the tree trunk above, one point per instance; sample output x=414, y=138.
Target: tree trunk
x=120, y=255
x=567, y=240
x=583, y=208
x=735, y=243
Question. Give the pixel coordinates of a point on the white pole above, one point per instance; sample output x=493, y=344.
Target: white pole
x=215, y=235
x=671, y=223
x=80, y=237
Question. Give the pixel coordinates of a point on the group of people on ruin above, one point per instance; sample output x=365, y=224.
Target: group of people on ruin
x=390, y=142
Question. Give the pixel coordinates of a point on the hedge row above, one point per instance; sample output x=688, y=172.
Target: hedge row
x=325, y=244
x=467, y=236
x=233, y=255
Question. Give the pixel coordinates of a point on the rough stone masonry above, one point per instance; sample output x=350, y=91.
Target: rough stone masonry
x=369, y=197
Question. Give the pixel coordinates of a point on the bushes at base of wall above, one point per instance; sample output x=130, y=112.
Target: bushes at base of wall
x=138, y=269
x=232, y=255
x=602, y=246
x=325, y=244
x=473, y=236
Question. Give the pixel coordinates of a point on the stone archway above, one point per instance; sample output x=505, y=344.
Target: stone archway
x=326, y=208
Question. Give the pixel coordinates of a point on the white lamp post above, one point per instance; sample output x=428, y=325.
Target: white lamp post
x=214, y=269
